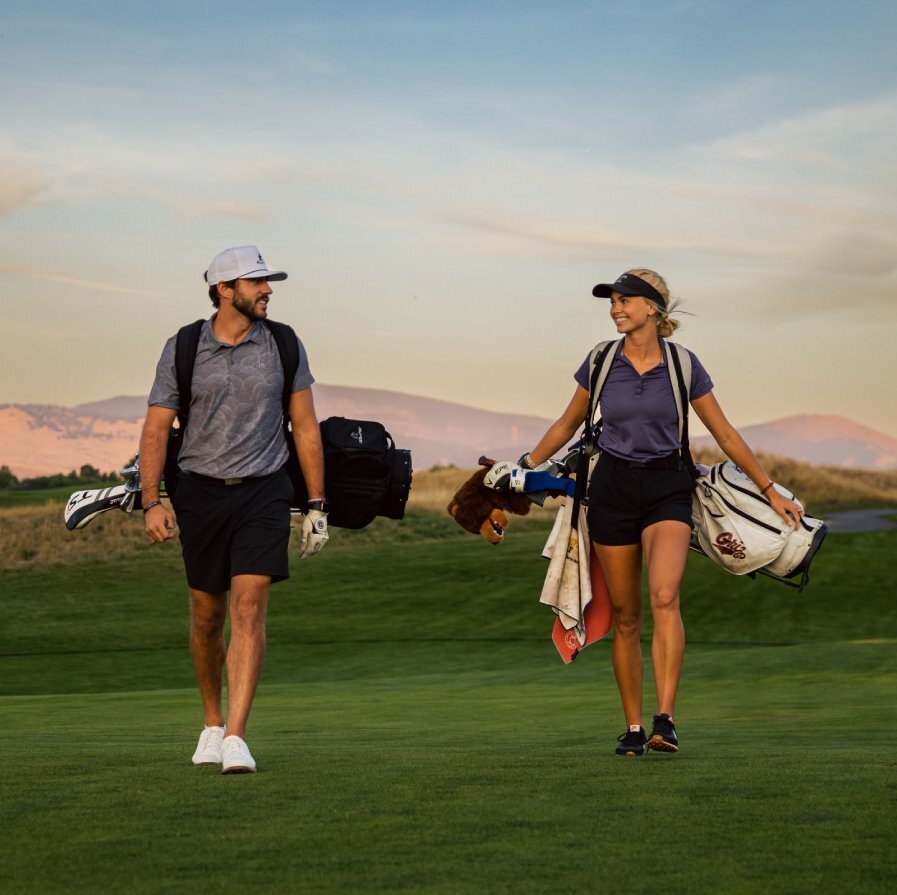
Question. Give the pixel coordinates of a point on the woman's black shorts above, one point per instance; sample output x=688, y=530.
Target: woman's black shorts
x=229, y=530
x=624, y=499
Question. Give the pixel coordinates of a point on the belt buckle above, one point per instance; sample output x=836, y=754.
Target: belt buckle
x=233, y=481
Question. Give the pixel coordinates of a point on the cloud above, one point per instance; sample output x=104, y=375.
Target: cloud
x=21, y=180
x=53, y=277
x=589, y=240
x=862, y=254
x=191, y=173
x=224, y=208
x=835, y=138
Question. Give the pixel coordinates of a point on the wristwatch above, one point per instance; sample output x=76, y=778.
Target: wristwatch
x=319, y=503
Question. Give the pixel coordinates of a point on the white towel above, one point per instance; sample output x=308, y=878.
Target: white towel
x=568, y=584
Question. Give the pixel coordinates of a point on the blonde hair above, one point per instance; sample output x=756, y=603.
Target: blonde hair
x=666, y=325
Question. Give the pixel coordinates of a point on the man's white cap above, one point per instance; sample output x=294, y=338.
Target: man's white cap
x=240, y=263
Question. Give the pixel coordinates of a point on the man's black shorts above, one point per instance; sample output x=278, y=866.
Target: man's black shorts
x=625, y=500
x=229, y=530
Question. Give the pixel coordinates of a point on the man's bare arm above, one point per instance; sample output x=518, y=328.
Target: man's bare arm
x=307, y=436
x=159, y=523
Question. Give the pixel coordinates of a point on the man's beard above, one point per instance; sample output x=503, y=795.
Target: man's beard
x=250, y=309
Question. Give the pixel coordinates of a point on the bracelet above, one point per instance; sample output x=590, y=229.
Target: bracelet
x=319, y=503
x=764, y=490
x=151, y=504
x=526, y=461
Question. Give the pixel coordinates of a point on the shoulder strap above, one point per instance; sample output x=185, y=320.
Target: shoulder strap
x=599, y=366
x=185, y=346
x=288, y=347
x=679, y=368
x=600, y=363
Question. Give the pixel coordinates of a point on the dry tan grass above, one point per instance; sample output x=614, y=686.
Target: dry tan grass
x=36, y=535
x=432, y=490
x=814, y=485
x=822, y=485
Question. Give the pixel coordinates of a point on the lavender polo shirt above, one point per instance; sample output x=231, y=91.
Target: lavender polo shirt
x=236, y=410
x=638, y=413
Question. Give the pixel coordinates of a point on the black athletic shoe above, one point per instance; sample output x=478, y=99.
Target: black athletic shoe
x=632, y=742
x=663, y=735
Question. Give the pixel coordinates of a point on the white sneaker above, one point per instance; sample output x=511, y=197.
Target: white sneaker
x=208, y=749
x=235, y=757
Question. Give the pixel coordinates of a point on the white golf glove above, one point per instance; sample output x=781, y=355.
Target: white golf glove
x=499, y=476
x=508, y=476
x=314, y=533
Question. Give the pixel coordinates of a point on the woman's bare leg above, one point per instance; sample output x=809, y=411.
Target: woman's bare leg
x=622, y=567
x=666, y=550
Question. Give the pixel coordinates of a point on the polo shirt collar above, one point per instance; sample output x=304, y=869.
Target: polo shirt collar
x=207, y=336
x=621, y=358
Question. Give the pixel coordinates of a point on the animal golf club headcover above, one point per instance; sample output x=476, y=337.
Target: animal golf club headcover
x=480, y=510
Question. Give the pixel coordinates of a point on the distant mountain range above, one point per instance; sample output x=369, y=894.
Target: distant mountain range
x=823, y=440
x=41, y=439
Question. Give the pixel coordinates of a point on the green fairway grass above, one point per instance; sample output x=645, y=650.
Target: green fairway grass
x=416, y=732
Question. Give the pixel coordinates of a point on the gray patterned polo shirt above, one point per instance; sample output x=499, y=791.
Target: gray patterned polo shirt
x=236, y=412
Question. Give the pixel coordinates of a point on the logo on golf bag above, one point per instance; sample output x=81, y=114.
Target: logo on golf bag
x=728, y=545
x=357, y=435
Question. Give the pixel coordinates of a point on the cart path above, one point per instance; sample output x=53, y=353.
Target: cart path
x=862, y=520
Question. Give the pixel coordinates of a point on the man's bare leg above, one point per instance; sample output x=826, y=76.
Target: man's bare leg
x=246, y=651
x=207, y=616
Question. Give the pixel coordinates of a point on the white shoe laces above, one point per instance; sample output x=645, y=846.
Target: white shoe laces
x=207, y=736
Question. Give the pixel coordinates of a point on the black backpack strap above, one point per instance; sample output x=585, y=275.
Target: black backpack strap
x=288, y=347
x=185, y=346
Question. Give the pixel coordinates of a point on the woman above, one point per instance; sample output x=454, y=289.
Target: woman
x=640, y=493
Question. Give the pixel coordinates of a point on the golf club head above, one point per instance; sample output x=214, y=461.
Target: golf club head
x=84, y=506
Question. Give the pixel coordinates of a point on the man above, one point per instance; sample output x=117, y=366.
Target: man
x=233, y=496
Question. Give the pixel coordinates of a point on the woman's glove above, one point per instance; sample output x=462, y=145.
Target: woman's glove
x=314, y=533
x=508, y=476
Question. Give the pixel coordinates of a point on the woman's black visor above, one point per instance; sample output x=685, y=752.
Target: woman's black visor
x=630, y=284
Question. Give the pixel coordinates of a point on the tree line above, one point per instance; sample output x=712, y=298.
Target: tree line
x=87, y=475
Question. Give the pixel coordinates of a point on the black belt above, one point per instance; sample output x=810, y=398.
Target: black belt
x=671, y=461
x=211, y=480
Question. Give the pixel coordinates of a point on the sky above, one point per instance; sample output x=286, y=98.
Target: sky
x=445, y=183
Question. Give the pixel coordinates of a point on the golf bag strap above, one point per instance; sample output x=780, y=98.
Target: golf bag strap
x=679, y=367
x=185, y=346
x=599, y=366
x=288, y=347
